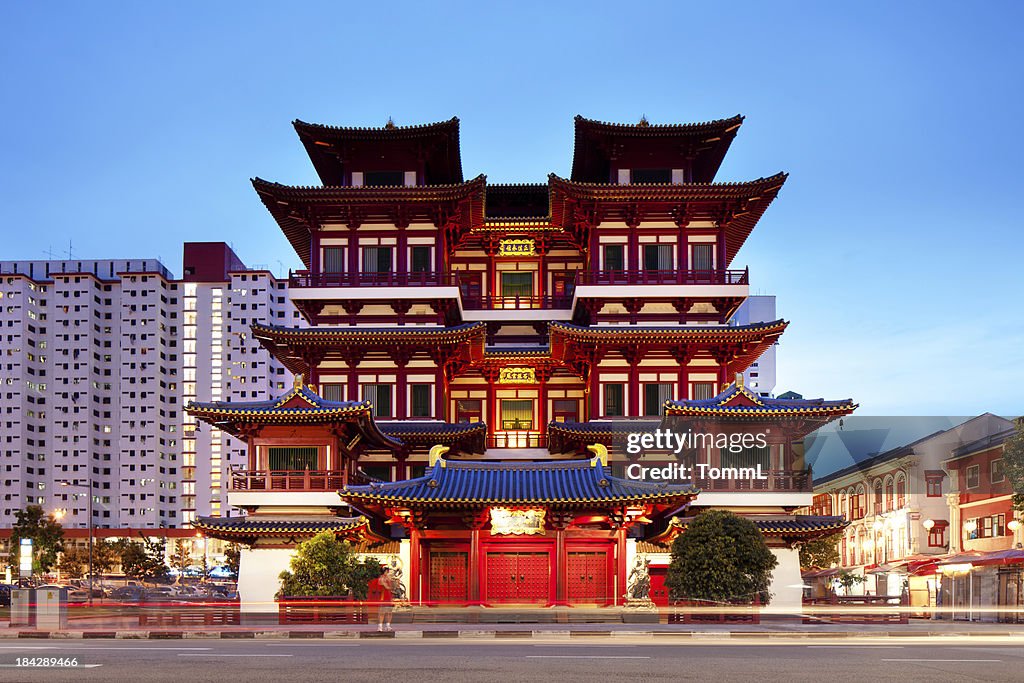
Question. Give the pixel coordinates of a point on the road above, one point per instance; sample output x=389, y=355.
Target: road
x=504, y=660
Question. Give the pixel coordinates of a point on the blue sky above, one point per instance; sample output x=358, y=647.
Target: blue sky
x=895, y=247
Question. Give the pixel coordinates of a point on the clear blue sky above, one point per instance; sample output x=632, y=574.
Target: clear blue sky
x=895, y=248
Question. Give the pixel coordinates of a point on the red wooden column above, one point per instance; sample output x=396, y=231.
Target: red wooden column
x=315, y=261
x=353, y=251
x=475, y=521
x=400, y=357
x=633, y=249
x=402, y=257
x=560, y=522
x=620, y=563
x=633, y=356
x=415, y=566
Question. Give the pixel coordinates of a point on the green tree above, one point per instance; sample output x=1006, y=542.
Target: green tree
x=1013, y=463
x=46, y=533
x=145, y=561
x=325, y=566
x=181, y=558
x=104, y=556
x=73, y=562
x=720, y=557
x=821, y=552
x=232, y=558
x=848, y=580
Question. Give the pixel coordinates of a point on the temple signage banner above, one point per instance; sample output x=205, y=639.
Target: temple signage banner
x=517, y=376
x=517, y=247
x=517, y=522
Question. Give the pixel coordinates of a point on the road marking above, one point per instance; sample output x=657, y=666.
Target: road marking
x=215, y=654
x=873, y=647
x=79, y=666
x=27, y=647
x=104, y=647
x=585, y=657
x=326, y=643
x=942, y=660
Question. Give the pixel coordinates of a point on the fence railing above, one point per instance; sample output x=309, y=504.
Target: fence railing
x=477, y=302
x=857, y=609
x=788, y=481
x=663, y=277
x=517, y=440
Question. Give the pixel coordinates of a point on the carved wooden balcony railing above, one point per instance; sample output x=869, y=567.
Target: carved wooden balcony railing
x=292, y=480
x=471, y=302
x=663, y=277
x=389, y=279
x=776, y=481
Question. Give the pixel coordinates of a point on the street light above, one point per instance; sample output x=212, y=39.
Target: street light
x=88, y=488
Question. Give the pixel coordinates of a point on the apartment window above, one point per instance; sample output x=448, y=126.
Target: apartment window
x=997, y=471
x=973, y=476
x=420, y=400
x=937, y=537
x=377, y=260
x=334, y=260
x=934, y=484
x=420, y=259
x=655, y=396
x=614, y=257
x=657, y=257
x=998, y=525
x=379, y=395
x=703, y=257
x=614, y=400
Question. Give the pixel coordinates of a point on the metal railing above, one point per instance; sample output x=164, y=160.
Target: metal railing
x=290, y=480
x=389, y=279
x=478, y=302
x=663, y=277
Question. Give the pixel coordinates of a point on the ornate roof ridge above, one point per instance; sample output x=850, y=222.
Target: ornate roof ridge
x=781, y=177
x=387, y=129
x=258, y=183
x=647, y=127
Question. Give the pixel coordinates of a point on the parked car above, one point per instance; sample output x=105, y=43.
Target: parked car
x=128, y=594
x=5, y=595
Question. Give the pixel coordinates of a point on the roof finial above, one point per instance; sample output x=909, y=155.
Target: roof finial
x=435, y=455
x=600, y=452
x=298, y=381
x=390, y=125
x=643, y=121
x=739, y=380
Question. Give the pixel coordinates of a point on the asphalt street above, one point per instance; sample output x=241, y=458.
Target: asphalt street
x=504, y=660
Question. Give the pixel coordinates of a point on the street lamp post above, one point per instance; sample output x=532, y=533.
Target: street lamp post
x=88, y=488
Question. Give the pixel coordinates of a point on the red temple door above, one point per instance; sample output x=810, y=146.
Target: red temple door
x=588, y=578
x=518, y=577
x=659, y=592
x=449, y=573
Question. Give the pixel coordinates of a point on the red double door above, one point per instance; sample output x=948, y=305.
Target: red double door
x=518, y=576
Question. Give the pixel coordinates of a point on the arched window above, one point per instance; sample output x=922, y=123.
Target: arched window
x=878, y=497
x=901, y=491
x=861, y=501
x=844, y=502
x=890, y=502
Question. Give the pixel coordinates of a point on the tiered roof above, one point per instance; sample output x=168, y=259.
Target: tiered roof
x=332, y=148
x=736, y=401
x=251, y=528
x=705, y=143
x=784, y=527
x=569, y=484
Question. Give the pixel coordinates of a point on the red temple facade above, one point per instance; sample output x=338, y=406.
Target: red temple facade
x=479, y=353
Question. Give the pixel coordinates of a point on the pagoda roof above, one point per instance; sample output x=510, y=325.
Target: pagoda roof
x=470, y=435
x=558, y=484
x=250, y=528
x=331, y=147
x=572, y=434
x=805, y=527
x=669, y=334
x=707, y=142
x=289, y=344
x=301, y=405
x=299, y=210
x=736, y=401
x=736, y=206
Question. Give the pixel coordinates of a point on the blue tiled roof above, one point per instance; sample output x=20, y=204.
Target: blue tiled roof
x=736, y=399
x=569, y=483
x=314, y=400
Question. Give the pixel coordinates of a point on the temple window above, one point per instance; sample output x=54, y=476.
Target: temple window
x=332, y=392
x=614, y=257
x=655, y=396
x=383, y=178
x=334, y=260
x=377, y=259
x=419, y=400
x=379, y=395
x=749, y=457
x=649, y=176
x=420, y=259
x=614, y=400
x=658, y=256
x=517, y=284
x=468, y=410
x=293, y=457
x=702, y=257
x=565, y=410
x=700, y=391
x=516, y=414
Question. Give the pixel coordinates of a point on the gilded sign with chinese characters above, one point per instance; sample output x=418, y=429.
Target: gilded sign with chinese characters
x=517, y=522
x=517, y=376
x=517, y=247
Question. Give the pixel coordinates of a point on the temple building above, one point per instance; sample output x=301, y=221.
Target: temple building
x=478, y=357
